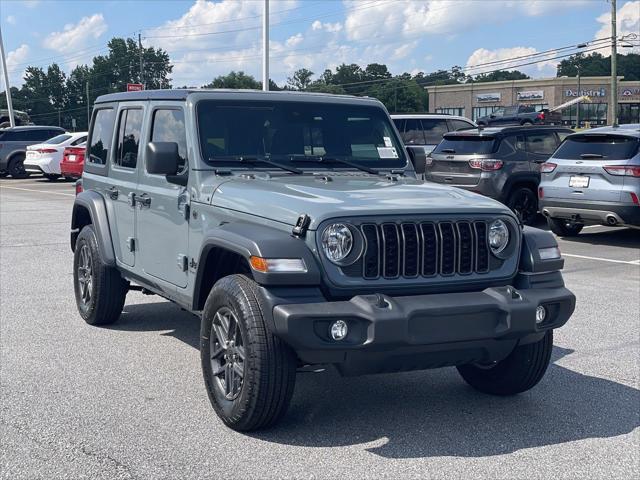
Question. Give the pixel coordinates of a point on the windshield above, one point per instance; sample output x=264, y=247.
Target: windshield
x=289, y=132
x=58, y=139
x=596, y=147
x=461, y=145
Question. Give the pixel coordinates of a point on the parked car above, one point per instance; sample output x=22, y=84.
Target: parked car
x=520, y=115
x=593, y=178
x=13, y=145
x=19, y=117
x=73, y=161
x=499, y=162
x=294, y=226
x=427, y=129
x=45, y=157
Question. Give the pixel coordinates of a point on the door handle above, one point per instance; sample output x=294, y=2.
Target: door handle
x=131, y=199
x=113, y=193
x=143, y=200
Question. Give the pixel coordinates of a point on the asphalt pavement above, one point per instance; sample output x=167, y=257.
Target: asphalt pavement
x=128, y=401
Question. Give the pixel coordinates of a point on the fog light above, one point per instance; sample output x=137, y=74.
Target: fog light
x=338, y=330
x=541, y=314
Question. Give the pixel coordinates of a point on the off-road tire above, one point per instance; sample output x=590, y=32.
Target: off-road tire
x=16, y=167
x=524, y=203
x=517, y=373
x=269, y=364
x=564, y=228
x=52, y=177
x=107, y=290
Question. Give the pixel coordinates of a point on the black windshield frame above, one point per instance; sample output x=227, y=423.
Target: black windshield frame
x=281, y=111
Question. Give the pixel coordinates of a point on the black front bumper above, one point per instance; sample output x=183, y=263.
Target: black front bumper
x=422, y=331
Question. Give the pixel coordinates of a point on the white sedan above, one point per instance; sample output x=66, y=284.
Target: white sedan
x=45, y=157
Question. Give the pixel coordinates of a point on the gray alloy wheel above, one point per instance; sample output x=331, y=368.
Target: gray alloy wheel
x=85, y=275
x=227, y=353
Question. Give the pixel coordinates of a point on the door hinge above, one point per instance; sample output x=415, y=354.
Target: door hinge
x=193, y=265
x=131, y=244
x=183, y=262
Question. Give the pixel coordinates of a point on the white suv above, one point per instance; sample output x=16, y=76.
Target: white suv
x=428, y=128
x=45, y=157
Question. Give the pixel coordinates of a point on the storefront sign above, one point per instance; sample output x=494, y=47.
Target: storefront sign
x=489, y=97
x=593, y=92
x=530, y=95
x=630, y=92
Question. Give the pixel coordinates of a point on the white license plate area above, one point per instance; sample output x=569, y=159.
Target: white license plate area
x=31, y=154
x=71, y=158
x=579, y=181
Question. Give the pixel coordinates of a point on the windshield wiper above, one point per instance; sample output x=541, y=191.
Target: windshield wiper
x=298, y=157
x=591, y=155
x=253, y=160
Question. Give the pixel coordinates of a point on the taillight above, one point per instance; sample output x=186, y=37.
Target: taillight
x=486, y=165
x=429, y=161
x=541, y=116
x=79, y=188
x=622, y=171
x=634, y=198
x=540, y=192
x=46, y=150
x=548, y=167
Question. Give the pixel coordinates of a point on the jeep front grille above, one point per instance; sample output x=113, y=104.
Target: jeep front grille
x=424, y=249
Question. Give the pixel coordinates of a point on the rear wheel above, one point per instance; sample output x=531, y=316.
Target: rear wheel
x=16, y=167
x=517, y=373
x=100, y=289
x=524, y=203
x=526, y=123
x=564, y=228
x=249, y=373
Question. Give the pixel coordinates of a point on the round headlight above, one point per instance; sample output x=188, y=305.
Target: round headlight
x=337, y=242
x=498, y=236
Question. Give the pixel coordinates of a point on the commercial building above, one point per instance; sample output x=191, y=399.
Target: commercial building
x=474, y=100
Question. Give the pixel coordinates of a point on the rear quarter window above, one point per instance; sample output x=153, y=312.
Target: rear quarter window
x=598, y=147
x=101, y=136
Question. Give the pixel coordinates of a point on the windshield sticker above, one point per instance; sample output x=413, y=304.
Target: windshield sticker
x=387, y=152
x=387, y=142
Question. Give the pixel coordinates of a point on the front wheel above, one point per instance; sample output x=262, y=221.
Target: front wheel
x=517, y=373
x=524, y=203
x=564, y=228
x=100, y=289
x=249, y=373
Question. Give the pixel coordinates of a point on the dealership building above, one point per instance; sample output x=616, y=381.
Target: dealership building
x=474, y=100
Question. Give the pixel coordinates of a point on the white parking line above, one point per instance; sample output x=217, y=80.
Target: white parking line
x=39, y=191
x=611, y=260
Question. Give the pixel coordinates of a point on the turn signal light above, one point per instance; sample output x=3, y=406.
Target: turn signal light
x=486, y=165
x=548, y=167
x=277, y=265
x=622, y=171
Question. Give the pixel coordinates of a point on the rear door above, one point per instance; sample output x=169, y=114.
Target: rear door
x=433, y=130
x=589, y=167
x=540, y=145
x=450, y=159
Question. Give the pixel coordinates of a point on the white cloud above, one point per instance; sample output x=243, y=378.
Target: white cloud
x=483, y=61
x=404, y=50
x=628, y=23
x=11, y=20
x=31, y=3
x=15, y=64
x=74, y=36
x=294, y=40
x=328, y=27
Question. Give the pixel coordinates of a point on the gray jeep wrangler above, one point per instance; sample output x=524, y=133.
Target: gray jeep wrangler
x=294, y=226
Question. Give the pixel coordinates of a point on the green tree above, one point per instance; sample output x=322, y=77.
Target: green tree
x=301, y=79
x=500, y=75
x=236, y=80
x=596, y=65
x=76, y=106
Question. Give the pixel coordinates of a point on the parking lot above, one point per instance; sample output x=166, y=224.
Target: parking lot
x=128, y=401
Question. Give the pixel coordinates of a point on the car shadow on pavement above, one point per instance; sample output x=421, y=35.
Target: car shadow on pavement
x=429, y=413
x=613, y=237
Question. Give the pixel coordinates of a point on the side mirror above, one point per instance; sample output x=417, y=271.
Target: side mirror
x=418, y=158
x=162, y=158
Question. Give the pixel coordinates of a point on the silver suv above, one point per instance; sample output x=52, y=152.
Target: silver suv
x=13, y=146
x=427, y=129
x=593, y=178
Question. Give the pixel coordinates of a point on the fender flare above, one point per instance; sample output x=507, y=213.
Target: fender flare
x=533, y=239
x=248, y=240
x=93, y=202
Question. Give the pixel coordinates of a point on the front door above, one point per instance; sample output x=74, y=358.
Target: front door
x=124, y=181
x=162, y=223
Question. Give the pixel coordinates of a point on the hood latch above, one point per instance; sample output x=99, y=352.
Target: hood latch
x=302, y=225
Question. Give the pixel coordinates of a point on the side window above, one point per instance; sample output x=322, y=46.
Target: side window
x=101, y=134
x=129, y=126
x=78, y=141
x=459, y=125
x=168, y=126
x=413, y=134
x=541, y=143
x=520, y=143
x=399, y=125
x=434, y=129
x=562, y=135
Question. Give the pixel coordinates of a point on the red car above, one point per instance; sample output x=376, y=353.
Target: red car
x=73, y=162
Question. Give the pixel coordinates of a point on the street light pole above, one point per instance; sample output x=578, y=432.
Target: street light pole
x=614, y=66
x=7, y=87
x=578, y=104
x=265, y=47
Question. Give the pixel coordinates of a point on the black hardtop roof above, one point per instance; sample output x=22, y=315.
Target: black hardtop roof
x=221, y=94
x=32, y=127
x=502, y=131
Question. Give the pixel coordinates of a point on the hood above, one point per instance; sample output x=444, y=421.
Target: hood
x=285, y=198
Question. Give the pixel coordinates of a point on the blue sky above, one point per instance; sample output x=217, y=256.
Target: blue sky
x=209, y=38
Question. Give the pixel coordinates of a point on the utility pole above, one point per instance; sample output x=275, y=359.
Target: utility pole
x=7, y=87
x=141, y=61
x=265, y=47
x=613, y=102
x=88, y=107
x=578, y=104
